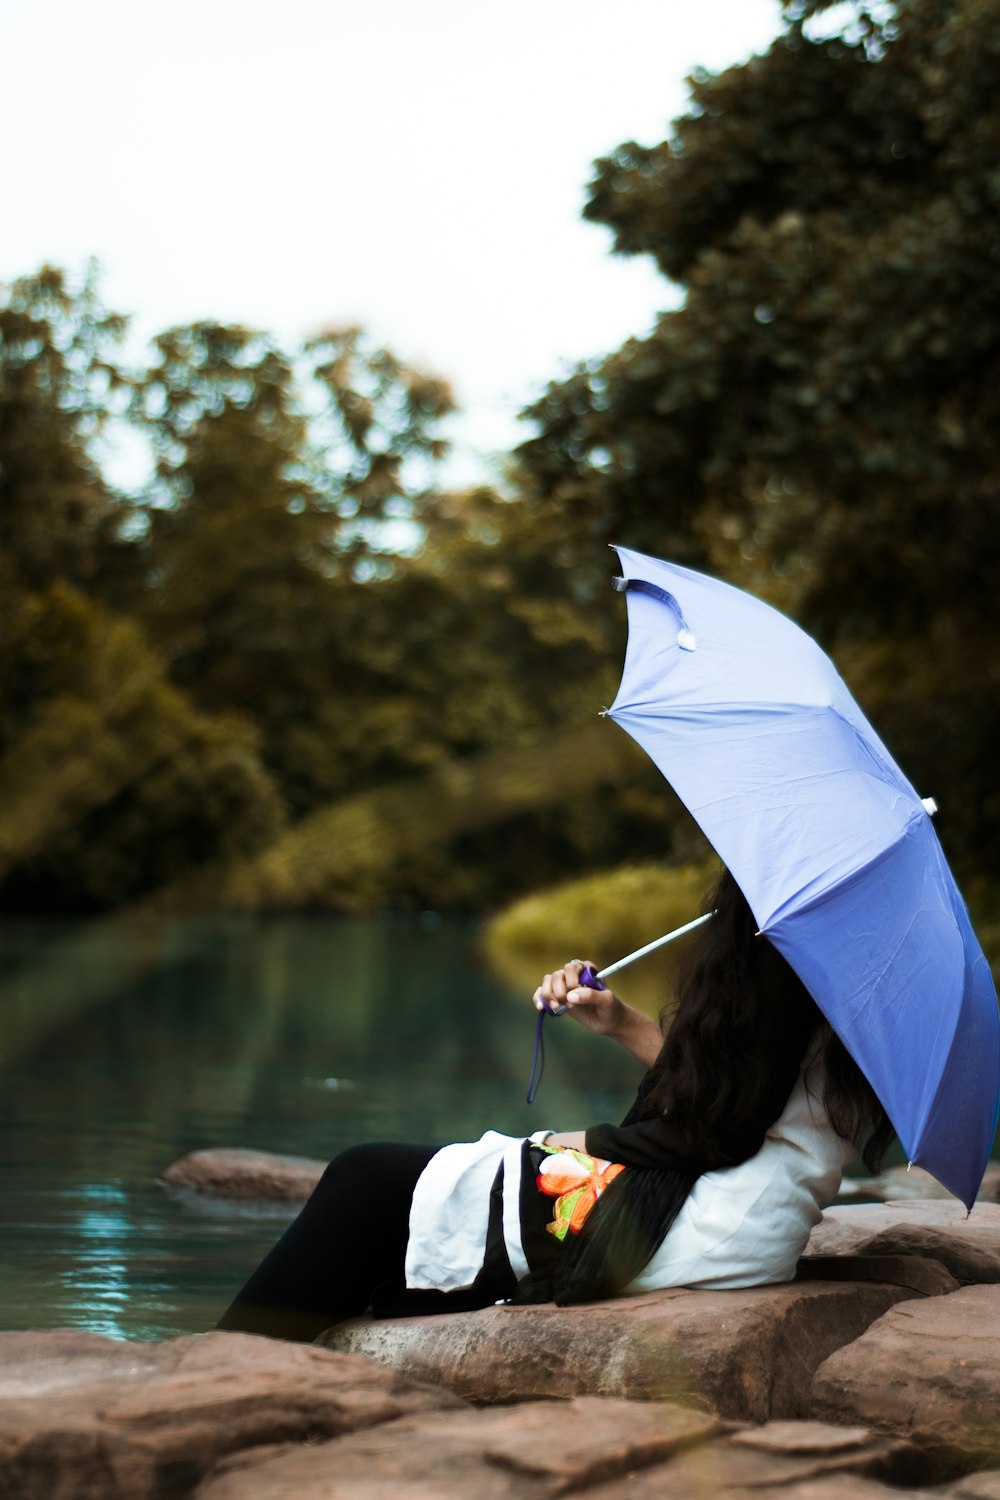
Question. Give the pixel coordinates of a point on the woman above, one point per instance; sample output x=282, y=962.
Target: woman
x=738, y=1135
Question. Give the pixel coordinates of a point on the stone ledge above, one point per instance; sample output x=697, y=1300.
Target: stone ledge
x=747, y=1355
x=589, y=1445
x=847, y=1228
x=85, y=1416
x=928, y=1370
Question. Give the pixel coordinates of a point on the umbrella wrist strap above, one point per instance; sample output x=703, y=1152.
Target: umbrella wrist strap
x=537, y=1060
x=589, y=980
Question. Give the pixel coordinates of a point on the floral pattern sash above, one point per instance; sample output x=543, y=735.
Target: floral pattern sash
x=576, y=1181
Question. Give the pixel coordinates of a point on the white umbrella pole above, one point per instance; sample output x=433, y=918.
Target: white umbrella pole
x=660, y=942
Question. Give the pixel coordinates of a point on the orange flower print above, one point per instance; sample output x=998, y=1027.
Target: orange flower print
x=576, y=1181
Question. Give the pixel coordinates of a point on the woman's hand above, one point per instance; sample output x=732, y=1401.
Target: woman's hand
x=599, y=1010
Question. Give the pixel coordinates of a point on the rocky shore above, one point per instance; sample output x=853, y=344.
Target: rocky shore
x=875, y=1374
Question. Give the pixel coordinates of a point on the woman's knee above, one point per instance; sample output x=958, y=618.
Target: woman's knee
x=362, y=1168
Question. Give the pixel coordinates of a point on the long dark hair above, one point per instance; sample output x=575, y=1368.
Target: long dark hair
x=740, y=1007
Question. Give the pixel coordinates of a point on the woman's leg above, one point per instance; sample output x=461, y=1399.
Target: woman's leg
x=349, y=1237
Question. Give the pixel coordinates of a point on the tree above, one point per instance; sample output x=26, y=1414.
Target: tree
x=276, y=479
x=816, y=417
x=111, y=784
x=59, y=384
x=378, y=435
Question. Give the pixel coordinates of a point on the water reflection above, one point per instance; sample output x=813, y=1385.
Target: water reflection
x=127, y=1046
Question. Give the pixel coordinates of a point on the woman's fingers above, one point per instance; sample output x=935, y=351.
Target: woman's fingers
x=577, y=994
x=546, y=998
x=556, y=988
x=541, y=1001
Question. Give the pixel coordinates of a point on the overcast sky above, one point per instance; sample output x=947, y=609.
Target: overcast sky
x=419, y=168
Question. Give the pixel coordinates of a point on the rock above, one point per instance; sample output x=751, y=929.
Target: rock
x=41, y=1363
x=902, y=1183
x=546, y=1448
x=88, y=1418
x=746, y=1354
x=602, y=1447
x=970, y=1261
x=923, y=1274
x=836, y=1486
x=726, y=1469
x=984, y=1486
x=802, y=1437
x=976, y=1487
x=246, y=1174
x=848, y=1229
x=928, y=1370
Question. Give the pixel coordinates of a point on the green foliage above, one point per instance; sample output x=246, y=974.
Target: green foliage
x=815, y=418
x=110, y=783
x=250, y=585
x=382, y=418
x=252, y=581
x=59, y=382
x=466, y=829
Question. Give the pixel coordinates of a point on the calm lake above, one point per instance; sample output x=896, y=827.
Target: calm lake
x=123, y=1047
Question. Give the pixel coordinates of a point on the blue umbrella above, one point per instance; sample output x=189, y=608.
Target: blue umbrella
x=834, y=850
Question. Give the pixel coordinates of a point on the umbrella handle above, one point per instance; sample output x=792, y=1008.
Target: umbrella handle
x=588, y=981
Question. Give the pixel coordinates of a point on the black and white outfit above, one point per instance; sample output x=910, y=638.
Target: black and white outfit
x=738, y=1226
x=410, y=1229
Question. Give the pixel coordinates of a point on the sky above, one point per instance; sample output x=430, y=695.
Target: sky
x=301, y=164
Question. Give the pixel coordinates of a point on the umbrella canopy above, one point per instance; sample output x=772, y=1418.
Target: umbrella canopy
x=834, y=850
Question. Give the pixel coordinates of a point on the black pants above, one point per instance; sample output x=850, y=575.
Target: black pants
x=349, y=1239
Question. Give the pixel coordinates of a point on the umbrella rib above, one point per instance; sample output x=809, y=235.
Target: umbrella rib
x=794, y=908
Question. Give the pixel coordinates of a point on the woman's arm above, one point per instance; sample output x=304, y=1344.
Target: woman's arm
x=601, y=1012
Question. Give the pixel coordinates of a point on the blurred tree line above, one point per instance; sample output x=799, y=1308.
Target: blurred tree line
x=189, y=673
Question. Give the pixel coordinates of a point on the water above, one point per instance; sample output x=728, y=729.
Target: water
x=125, y=1046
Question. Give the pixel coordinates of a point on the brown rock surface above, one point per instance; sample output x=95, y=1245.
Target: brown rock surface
x=923, y=1274
x=724, y=1470
x=984, y=1486
x=546, y=1448
x=928, y=1369
x=847, y=1230
x=592, y=1445
x=836, y=1486
x=84, y=1417
x=747, y=1354
x=232, y=1173
x=971, y=1261
x=901, y=1183
x=802, y=1437
x=976, y=1487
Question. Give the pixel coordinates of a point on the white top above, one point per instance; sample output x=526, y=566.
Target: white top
x=743, y=1226
x=748, y=1225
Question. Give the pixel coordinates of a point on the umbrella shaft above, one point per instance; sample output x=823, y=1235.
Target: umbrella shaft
x=660, y=942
